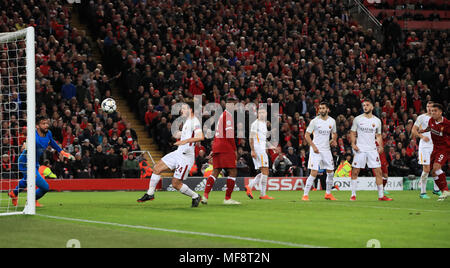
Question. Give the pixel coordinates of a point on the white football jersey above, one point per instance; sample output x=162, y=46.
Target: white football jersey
x=259, y=130
x=190, y=128
x=366, y=129
x=322, y=129
x=422, y=123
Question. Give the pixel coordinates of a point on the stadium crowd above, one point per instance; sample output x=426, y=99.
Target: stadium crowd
x=295, y=53
x=70, y=86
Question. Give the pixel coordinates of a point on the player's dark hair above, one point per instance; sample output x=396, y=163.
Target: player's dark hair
x=368, y=100
x=40, y=118
x=325, y=103
x=430, y=102
x=439, y=106
x=190, y=104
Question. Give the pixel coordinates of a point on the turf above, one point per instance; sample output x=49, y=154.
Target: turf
x=283, y=222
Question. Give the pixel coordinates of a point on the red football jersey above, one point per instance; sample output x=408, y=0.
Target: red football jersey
x=440, y=134
x=224, y=139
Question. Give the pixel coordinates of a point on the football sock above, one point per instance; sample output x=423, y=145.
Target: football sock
x=380, y=191
x=256, y=181
x=442, y=180
x=187, y=191
x=153, y=182
x=423, y=179
x=230, y=187
x=385, y=181
x=209, y=185
x=22, y=186
x=330, y=182
x=354, y=185
x=263, y=185
x=309, y=184
x=436, y=187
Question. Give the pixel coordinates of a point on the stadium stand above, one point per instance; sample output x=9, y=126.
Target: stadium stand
x=70, y=85
x=414, y=14
x=160, y=52
x=293, y=53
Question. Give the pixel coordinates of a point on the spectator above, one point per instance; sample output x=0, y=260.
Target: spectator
x=68, y=89
x=130, y=167
x=281, y=166
x=399, y=167
x=99, y=163
x=295, y=160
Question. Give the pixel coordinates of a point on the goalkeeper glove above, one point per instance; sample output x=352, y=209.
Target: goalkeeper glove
x=67, y=155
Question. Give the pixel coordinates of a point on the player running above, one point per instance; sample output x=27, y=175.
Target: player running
x=258, y=143
x=224, y=155
x=320, y=152
x=440, y=134
x=44, y=138
x=365, y=130
x=425, y=150
x=180, y=160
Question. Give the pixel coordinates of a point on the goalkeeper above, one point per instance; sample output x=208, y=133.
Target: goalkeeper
x=44, y=139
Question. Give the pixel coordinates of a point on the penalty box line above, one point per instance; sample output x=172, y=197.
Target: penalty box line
x=183, y=232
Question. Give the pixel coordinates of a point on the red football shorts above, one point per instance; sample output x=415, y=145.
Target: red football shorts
x=439, y=156
x=224, y=160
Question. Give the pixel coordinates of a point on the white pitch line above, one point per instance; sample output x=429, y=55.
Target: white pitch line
x=183, y=232
x=411, y=209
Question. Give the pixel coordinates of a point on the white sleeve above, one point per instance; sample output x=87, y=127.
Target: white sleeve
x=355, y=124
x=418, y=122
x=197, y=127
x=311, y=126
x=254, y=130
x=254, y=127
x=334, y=129
x=379, y=128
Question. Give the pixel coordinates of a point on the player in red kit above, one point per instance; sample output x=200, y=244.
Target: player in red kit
x=440, y=134
x=224, y=155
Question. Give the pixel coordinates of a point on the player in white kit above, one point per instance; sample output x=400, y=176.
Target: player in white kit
x=258, y=144
x=320, y=151
x=180, y=160
x=425, y=150
x=365, y=129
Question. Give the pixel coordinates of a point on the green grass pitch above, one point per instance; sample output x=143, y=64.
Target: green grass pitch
x=114, y=219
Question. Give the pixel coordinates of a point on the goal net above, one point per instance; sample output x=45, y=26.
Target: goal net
x=17, y=121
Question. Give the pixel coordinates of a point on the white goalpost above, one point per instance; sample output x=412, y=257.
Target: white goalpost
x=17, y=115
